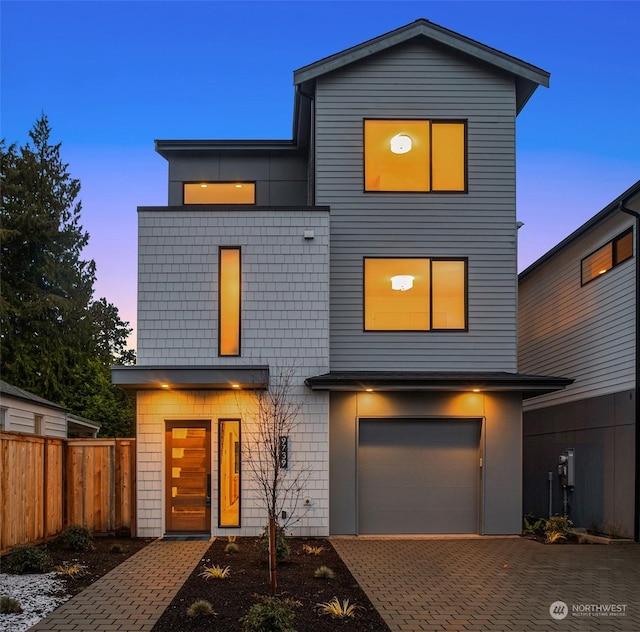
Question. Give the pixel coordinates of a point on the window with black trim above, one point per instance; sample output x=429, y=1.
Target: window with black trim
x=415, y=155
x=229, y=301
x=219, y=193
x=415, y=294
x=229, y=473
x=610, y=255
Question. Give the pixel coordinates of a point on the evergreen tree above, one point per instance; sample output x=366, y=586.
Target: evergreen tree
x=51, y=333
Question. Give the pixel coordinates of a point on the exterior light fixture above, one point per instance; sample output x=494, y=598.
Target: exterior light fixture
x=235, y=386
x=203, y=186
x=164, y=386
x=369, y=390
x=238, y=186
x=401, y=144
x=476, y=390
x=402, y=282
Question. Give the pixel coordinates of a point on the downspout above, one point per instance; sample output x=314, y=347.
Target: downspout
x=311, y=174
x=636, y=521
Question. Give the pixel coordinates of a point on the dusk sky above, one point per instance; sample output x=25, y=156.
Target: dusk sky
x=113, y=76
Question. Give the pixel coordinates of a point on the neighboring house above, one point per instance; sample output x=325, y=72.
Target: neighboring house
x=22, y=411
x=375, y=253
x=578, y=316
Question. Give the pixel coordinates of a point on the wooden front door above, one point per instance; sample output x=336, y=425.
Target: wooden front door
x=188, y=476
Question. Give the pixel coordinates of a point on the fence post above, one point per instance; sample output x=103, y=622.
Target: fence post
x=45, y=490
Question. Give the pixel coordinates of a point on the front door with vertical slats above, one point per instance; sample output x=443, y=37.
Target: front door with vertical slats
x=188, y=475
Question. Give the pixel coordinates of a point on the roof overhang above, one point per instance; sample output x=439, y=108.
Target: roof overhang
x=527, y=76
x=190, y=377
x=527, y=385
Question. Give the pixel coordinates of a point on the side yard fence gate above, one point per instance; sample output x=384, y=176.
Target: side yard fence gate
x=48, y=484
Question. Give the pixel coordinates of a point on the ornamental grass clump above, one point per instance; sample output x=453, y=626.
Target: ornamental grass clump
x=70, y=570
x=337, y=609
x=10, y=605
x=200, y=608
x=324, y=572
x=215, y=572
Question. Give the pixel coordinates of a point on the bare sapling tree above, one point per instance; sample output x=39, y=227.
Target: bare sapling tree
x=271, y=420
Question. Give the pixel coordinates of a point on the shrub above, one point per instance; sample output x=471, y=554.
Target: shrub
x=324, y=572
x=77, y=538
x=10, y=605
x=531, y=526
x=200, y=608
x=557, y=528
x=231, y=548
x=116, y=548
x=27, y=558
x=283, y=552
x=338, y=609
x=215, y=572
x=270, y=614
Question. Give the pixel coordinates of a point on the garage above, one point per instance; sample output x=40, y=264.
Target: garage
x=418, y=476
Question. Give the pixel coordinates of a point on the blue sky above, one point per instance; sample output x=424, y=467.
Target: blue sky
x=113, y=76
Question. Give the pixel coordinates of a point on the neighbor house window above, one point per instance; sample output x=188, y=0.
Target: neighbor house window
x=608, y=256
x=229, y=473
x=229, y=302
x=420, y=294
x=415, y=155
x=219, y=193
x=3, y=418
x=38, y=425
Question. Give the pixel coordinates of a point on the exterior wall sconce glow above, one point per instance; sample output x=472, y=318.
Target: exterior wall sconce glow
x=401, y=144
x=235, y=386
x=164, y=386
x=368, y=390
x=203, y=186
x=402, y=282
x=475, y=390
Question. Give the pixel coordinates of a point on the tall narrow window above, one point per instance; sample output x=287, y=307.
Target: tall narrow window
x=229, y=473
x=229, y=302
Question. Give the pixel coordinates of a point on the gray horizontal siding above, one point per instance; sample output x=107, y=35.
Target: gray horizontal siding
x=583, y=332
x=415, y=81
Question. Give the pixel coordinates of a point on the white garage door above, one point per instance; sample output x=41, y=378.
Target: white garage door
x=418, y=476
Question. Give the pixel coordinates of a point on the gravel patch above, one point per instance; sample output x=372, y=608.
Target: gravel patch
x=38, y=595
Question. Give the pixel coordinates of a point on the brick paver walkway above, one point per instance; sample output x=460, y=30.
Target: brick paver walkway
x=497, y=584
x=133, y=595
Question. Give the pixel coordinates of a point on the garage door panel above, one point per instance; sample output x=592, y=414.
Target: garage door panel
x=418, y=476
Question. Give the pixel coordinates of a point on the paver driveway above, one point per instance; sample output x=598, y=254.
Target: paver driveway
x=498, y=584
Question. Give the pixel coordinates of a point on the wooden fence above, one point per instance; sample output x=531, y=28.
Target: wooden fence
x=48, y=484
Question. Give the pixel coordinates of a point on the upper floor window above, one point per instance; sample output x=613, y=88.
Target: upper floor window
x=614, y=252
x=415, y=155
x=229, y=302
x=219, y=193
x=411, y=294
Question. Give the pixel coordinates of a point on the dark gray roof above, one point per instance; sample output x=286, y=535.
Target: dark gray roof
x=613, y=207
x=528, y=77
x=19, y=393
x=190, y=377
x=528, y=385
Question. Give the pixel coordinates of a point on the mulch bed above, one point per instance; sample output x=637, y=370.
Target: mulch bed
x=249, y=577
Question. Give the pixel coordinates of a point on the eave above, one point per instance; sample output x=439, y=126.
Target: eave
x=527, y=76
x=432, y=381
x=138, y=378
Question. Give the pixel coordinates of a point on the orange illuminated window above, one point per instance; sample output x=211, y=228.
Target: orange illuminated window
x=415, y=294
x=219, y=193
x=608, y=256
x=229, y=473
x=229, y=302
x=411, y=155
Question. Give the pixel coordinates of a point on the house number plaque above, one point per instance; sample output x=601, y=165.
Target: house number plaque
x=283, y=452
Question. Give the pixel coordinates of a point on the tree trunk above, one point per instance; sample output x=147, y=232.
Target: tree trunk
x=272, y=556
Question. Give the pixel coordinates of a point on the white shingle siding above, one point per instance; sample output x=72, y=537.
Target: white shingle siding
x=586, y=333
x=417, y=81
x=285, y=323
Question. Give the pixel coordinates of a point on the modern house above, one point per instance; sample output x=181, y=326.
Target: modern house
x=22, y=411
x=578, y=316
x=374, y=255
